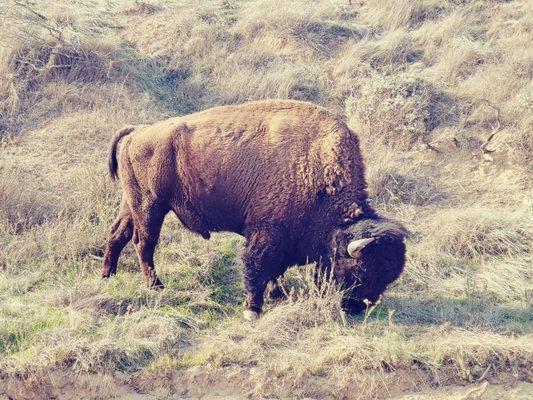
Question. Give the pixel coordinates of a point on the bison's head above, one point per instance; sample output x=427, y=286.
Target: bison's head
x=366, y=257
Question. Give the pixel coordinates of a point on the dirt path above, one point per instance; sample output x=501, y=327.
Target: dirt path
x=63, y=387
x=482, y=391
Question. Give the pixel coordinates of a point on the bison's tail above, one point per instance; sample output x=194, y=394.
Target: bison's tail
x=112, y=160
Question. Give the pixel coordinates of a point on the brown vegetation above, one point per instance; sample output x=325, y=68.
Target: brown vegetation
x=424, y=84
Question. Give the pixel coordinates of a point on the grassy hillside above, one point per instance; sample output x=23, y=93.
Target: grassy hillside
x=441, y=95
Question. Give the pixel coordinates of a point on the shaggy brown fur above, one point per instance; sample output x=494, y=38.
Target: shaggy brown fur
x=287, y=175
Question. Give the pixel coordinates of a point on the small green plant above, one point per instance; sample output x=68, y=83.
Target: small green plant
x=370, y=308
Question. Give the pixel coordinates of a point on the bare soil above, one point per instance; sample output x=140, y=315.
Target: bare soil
x=200, y=383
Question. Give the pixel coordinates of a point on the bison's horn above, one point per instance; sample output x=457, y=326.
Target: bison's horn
x=356, y=246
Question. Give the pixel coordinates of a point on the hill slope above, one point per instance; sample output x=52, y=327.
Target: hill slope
x=441, y=96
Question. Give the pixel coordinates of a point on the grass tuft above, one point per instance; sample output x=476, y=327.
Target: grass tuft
x=422, y=83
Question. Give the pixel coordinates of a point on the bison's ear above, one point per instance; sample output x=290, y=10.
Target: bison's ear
x=338, y=241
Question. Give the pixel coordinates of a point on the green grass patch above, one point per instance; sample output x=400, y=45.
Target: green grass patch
x=19, y=327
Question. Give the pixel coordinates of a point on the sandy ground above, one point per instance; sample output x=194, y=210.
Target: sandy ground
x=61, y=385
x=483, y=391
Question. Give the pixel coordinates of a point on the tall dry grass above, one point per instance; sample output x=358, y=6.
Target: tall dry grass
x=424, y=84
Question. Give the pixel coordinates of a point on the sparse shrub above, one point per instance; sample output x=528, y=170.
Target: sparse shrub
x=41, y=47
x=401, y=110
x=49, y=46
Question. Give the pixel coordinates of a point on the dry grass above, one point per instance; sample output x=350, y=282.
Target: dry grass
x=422, y=83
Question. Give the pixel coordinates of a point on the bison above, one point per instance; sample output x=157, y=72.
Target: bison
x=286, y=175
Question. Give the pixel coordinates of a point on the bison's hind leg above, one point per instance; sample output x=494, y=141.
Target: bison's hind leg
x=148, y=218
x=120, y=234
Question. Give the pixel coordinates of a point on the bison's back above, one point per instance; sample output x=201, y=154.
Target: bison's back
x=234, y=167
x=264, y=161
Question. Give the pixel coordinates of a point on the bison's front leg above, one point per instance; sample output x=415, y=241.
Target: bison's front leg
x=263, y=260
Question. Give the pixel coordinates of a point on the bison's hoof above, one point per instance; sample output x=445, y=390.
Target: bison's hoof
x=250, y=315
x=156, y=284
x=108, y=274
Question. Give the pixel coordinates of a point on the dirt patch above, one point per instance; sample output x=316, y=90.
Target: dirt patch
x=198, y=383
x=482, y=391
